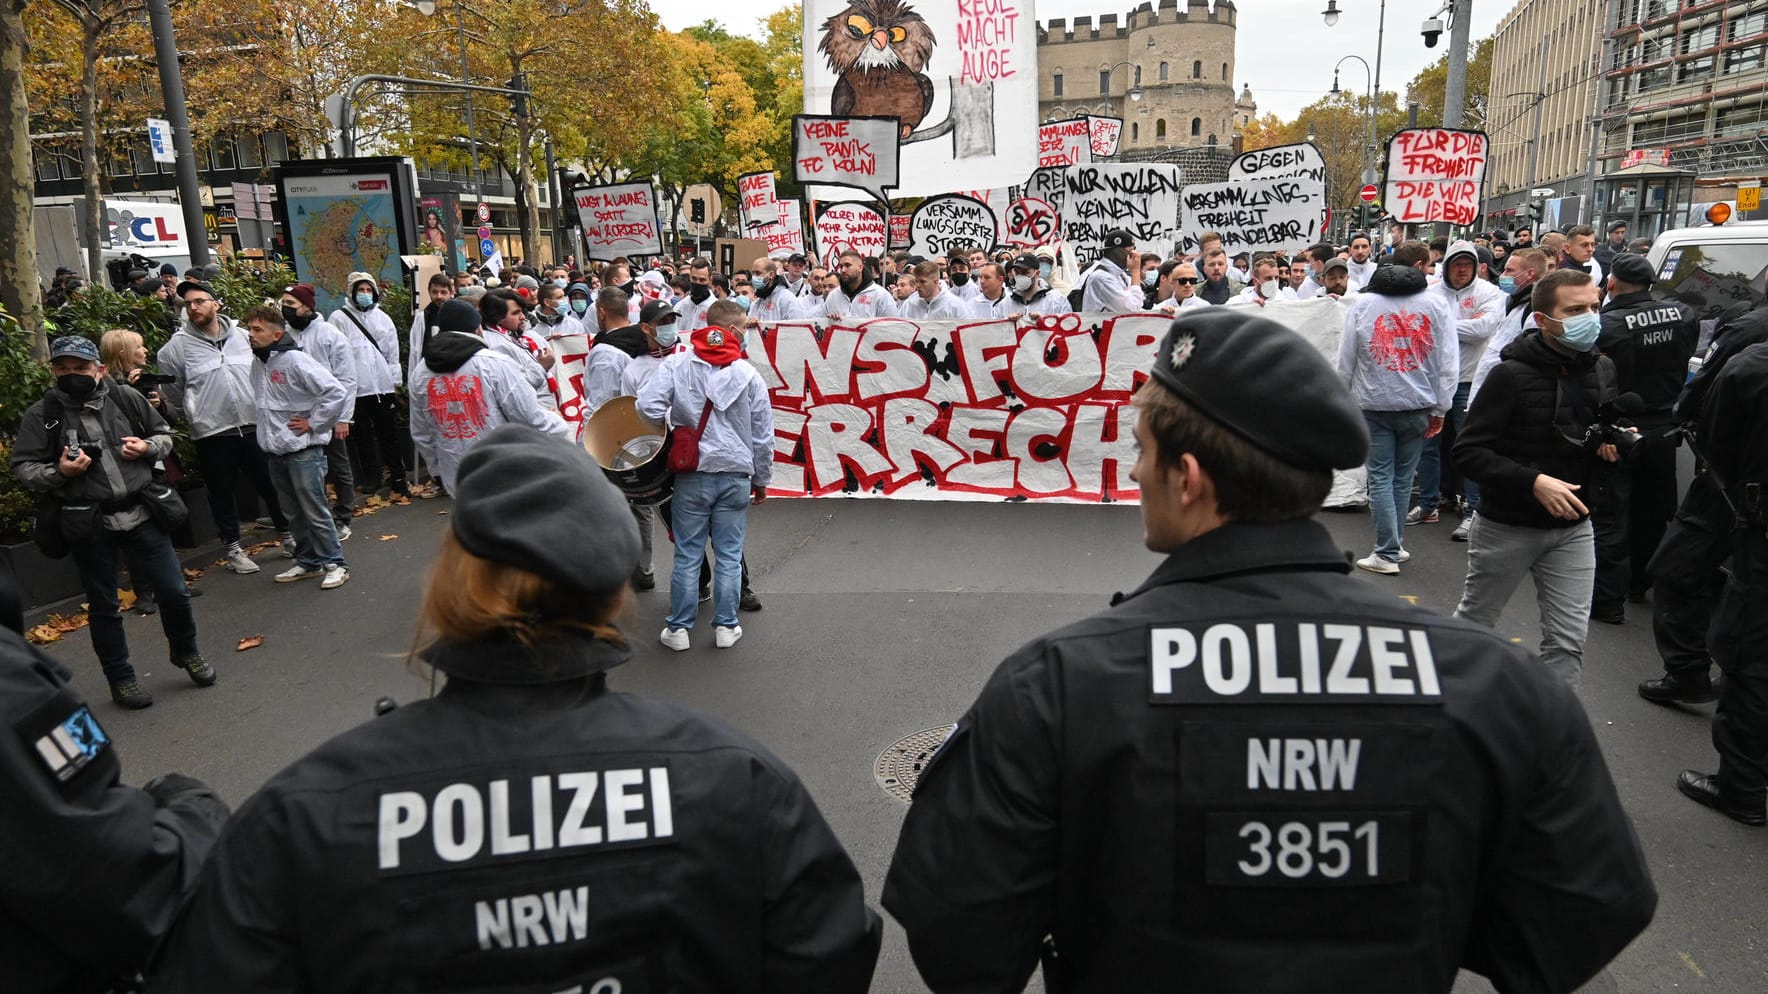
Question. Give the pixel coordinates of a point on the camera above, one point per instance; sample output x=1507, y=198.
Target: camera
x=1605, y=431
x=154, y=379
x=1432, y=30
x=92, y=449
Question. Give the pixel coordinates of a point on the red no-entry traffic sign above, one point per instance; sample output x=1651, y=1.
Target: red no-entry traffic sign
x=1369, y=193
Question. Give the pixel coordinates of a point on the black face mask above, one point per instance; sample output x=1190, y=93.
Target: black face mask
x=766, y=287
x=630, y=286
x=76, y=385
x=700, y=293
x=293, y=318
x=959, y=279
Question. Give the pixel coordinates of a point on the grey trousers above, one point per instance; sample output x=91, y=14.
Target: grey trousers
x=646, y=516
x=1563, y=564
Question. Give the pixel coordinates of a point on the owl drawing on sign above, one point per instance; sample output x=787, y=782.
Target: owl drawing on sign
x=879, y=48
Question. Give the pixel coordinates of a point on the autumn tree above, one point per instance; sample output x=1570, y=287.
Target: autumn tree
x=19, y=287
x=1428, y=86
x=102, y=27
x=1266, y=131
x=1340, y=126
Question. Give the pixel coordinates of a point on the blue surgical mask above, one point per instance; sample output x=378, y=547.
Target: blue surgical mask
x=741, y=301
x=1507, y=284
x=1151, y=277
x=364, y=301
x=1581, y=331
x=667, y=337
x=560, y=282
x=1045, y=269
x=581, y=307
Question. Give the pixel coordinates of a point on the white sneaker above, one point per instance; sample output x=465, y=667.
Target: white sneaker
x=1404, y=555
x=675, y=638
x=1375, y=564
x=724, y=638
x=288, y=545
x=344, y=533
x=335, y=577
x=239, y=562
x=1463, y=531
x=299, y=572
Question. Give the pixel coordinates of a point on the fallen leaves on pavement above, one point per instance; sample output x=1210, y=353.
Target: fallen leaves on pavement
x=249, y=643
x=388, y=538
x=58, y=625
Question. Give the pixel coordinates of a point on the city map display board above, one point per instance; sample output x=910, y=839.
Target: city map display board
x=345, y=216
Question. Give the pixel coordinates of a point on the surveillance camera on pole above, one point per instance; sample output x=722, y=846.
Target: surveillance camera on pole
x=1432, y=30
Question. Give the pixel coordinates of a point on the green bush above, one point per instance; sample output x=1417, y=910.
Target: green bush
x=98, y=309
x=244, y=285
x=23, y=381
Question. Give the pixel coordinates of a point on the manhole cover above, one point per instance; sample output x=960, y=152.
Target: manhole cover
x=899, y=766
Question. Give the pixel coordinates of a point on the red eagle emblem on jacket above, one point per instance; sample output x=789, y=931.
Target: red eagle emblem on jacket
x=457, y=403
x=1401, y=341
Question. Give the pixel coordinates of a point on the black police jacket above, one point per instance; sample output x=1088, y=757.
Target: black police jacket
x=1649, y=341
x=1729, y=339
x=1255, y=774
x=1734, y=431
x=528, y=837
x=93, y=870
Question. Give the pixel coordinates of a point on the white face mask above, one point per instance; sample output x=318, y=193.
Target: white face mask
x=1269, y=289
x=1023, y=284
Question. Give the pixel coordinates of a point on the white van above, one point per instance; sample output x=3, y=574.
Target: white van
x=1719, y=270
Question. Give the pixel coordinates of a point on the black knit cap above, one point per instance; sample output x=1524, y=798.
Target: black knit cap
x=457, y=315
x=535, y=501
x=1264, y=383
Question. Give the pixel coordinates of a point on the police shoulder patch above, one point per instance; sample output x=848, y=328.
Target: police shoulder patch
x=71, y=744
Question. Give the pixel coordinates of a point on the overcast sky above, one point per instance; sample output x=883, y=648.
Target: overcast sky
x=1285, y=50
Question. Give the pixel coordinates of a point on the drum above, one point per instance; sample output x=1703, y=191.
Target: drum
x=632, y=451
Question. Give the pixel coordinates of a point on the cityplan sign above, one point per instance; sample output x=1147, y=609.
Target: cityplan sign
x=1435, y=174
x=619, y=220
x=958, y=410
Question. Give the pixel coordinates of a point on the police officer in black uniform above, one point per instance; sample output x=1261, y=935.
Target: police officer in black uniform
x=1685, y=569
x=1254, y=773
x=94, y=870
x=1735, y=427
x=528, y=829
x=1649, y=341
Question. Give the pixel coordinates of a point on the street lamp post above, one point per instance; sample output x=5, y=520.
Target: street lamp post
x=1369, y=94
x=428, y=9
x=1135, y=90
x=1330, y=15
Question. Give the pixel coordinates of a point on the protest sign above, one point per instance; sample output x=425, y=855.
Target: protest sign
x=1435, y=174
x=570, y=363
x=1030, y=222
x=856, y=152
x=786, y=238
x=1141, y=197
x=841, y=227
x=1102, y=135
x=1280, y=162
x=755, y=203
x=899, y=231
x=618, y=220
x=1045, y=185
x=942, y=225
x=1064, y=143
x=1260, y=215
x=959, y=75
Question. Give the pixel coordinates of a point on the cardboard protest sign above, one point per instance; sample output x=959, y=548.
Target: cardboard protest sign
x=1142, y=197
x=786, y=238
x=1064, y=143
x=899, y=231
x=1260, y=215
x=1102, y=135
x=960, y=76
x=618, y=220
x=998, y=200
x=942, y=225
x=1030, y=222
x=570, y=363
x=1435, y=174
x=755, y=203
x=840, y=227
x=856, y=152
x=1280, y=162
x=1046, y=185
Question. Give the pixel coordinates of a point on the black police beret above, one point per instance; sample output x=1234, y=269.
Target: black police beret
x=1264, y=383
x=528, y=499
x=1634, y=269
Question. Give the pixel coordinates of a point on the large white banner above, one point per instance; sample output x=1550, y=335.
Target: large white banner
x=959, y=75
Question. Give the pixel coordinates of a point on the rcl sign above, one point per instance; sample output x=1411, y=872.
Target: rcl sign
x=146, y=225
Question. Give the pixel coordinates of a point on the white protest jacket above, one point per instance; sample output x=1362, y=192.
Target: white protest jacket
x=780, y=305
x=945, y=304
x=504, y=345
x=1109, y=290
x=452, y=410
x=1399, y=350
x=376, y=353
x=739, y=433
x=214, y=388
x=1478, y=308
x=293, y=384
x=1043, y=301
x=328, y=345
x=872, y=301
x=1361, y=272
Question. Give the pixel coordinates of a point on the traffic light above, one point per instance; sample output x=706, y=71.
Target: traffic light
x=519, y=100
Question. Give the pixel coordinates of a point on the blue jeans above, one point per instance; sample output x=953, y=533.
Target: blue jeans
x=1430, y=463
x=300, y=488
x=1395, y=440
x=149, y=550
x=715, y=505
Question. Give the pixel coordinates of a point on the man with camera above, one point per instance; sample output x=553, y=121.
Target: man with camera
x=1538, y=439
x=91, y=448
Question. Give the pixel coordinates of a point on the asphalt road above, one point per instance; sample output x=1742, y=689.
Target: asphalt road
x=883, y=618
